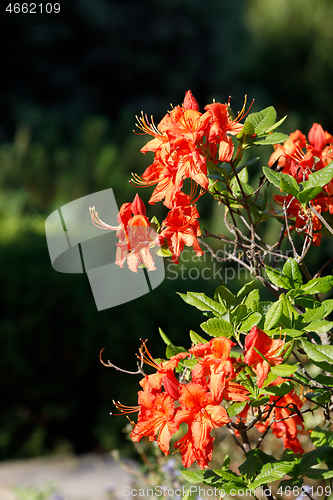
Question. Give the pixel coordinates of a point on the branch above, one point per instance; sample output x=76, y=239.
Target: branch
x=111, y=365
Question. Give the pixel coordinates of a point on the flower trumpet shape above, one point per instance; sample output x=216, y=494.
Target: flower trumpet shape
x=262, y=352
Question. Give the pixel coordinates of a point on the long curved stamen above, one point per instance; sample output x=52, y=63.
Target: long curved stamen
x=124, y=409
x=194, y=189
x=137, y=180
x=242, y=112
x=98, y=222
x=147, y=357
x=146, y=127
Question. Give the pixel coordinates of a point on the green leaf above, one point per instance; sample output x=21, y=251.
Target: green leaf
x=262, y=120
x=290, y=332
x=273, y=315
x=321, y=437
x=248, y=129
x=319, y=353
x=236, y=408
x=289, y=185
x=164, y=252
x=252, y=300
x=278, y=278
x=217, y=327
x=311, y=458
x=322, y=326
x=193, y=476
x=230, y=480
x=319, y=178
x=276, y=125
x=274, y=138
x=225, y=296
x=290, y=483
x=284, y=370
x=247, y=164
x=203, y=303
x=278, y=390
x=259, y=402
x=272, y=176
x=238, y=314
x=165, y=339
x=289, y=312
x=173, y=350
x=308, y=194
x=196, y=338
x=154, y=222
x=255, y=459
x=250, y=322
x=247, y=288
x=318, y=397
x=324, y=379
x=318, y=474
x=188, y=495
x=318, y=285
x=271, y=472
x=312, y=315
x=292, y=271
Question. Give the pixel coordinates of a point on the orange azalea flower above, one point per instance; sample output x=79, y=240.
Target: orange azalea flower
x=295, y=209
x=134, y=233
x=233, y=391
x=215, y=364
x=164, y=375
x=294, y=161
x=200, y=412
x=162, y=173
x=156, y=416
x=181, y=228
x=287, y=422
x=221, y=127
x=262, y=352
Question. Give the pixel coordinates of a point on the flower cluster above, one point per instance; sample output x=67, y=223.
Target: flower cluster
x=184, y=143
x=197, y=398
x=299, y=157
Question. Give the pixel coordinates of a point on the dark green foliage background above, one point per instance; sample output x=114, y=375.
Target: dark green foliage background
x=69, y=92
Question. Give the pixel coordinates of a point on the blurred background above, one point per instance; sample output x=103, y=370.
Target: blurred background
x=70, y=90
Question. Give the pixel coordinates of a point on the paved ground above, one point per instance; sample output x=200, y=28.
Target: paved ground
x=90, y=477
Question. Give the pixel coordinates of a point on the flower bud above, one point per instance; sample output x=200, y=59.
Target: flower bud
x=190, y=102
x=317, y=136
x=138, y=207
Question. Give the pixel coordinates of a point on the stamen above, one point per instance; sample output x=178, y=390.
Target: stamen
x=137, y=180
x=124, y=409
x=98, y=222
x=146, y=127
x=147, y=357
x=242, y=112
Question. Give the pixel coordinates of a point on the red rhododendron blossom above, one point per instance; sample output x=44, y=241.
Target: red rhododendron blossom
x=295, y=210
x=136, y=237
x=262, y=352
x=181, y=228
x=164, y=374
x=221, y=127
x=300, y=158
x=215, y=364
x=156, y=416
x=285, y=421
x=202, y=415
